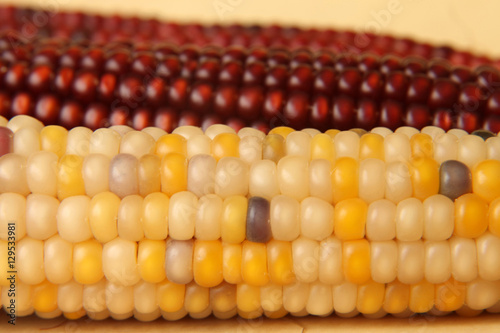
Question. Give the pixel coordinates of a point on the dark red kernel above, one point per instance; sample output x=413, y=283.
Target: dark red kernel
x=250, y=102
x=277, y=77
x=343, y=115
x=166, y=119
x=296, y=110
x=84, y=86
x=71, y=114
x=349, y=82
x=226, y=100
x=372, y=85
x=200, y=98
x=47, y=109
x=444, y=93
x=391, y=114
x=96, y=116
x=320, y=113
x=231, y=73
x=396, y=86
x=367, y=114
x=418, y=116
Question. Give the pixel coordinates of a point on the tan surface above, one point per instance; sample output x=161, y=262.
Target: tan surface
x=469, y=25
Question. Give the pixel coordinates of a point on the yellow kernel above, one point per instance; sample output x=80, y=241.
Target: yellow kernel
x=356, y=261
x=45, y=297
x=421, y=297
x=350, y=219
x=332, y=133
x=151, y=260
x=471, y=218
x=421, y=145
x=450, y=296
x=87, y=262
x=173, y=171
x=148, y=172
x=54, y=139
x=197, y=298
x=494, y=217
x=231, y=263
x=223, y=297
x=486, y=180
x=344, y=179
x=233, y=219
x=280, y=262
x=254, y=263
x=282, y=130
x=224, y=145
x=371, y=145
x=207, y=263
x=171, y=143
x=155, y=216
x=322, y=147
x=273, y=147
x=370, y=297
x=397, y=297
x=424, y=176
x=248, y=298
x=103, y=215
x=170, y=296
x=69, y=178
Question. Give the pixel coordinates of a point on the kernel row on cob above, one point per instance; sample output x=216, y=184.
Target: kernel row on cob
x=123, y=57
x=148, y=301
x=331, y=166
x=164, y=87
x=107, y=29
x=182, y=216
x=255, y=262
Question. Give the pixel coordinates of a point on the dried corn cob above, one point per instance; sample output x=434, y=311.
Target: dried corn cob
x=245, y=246
x=79, y=26
x=141, y=88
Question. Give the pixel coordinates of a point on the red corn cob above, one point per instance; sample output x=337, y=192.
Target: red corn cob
x=79, y=26
x=164, y=85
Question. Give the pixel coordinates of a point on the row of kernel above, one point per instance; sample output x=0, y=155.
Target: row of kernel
x=370, y=179
x=401, y=178
x=27, y=135
x=146, y=300
x=221, y=140
x=236, y=218
x=208, y=263
x=383, y=144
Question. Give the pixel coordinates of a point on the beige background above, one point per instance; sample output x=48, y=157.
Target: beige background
x=465, y=24
x=468, y=25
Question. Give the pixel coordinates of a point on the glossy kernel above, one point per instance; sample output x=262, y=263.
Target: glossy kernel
x=471, y=218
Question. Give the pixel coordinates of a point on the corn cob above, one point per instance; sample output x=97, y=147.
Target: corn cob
x=248, y=224
x=105, y=29
x=140, y=88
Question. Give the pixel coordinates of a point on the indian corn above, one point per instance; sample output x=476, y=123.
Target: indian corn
x=120, y=223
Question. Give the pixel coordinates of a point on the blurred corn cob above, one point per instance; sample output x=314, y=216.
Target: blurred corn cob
x=28, y=23
x=77, y=82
